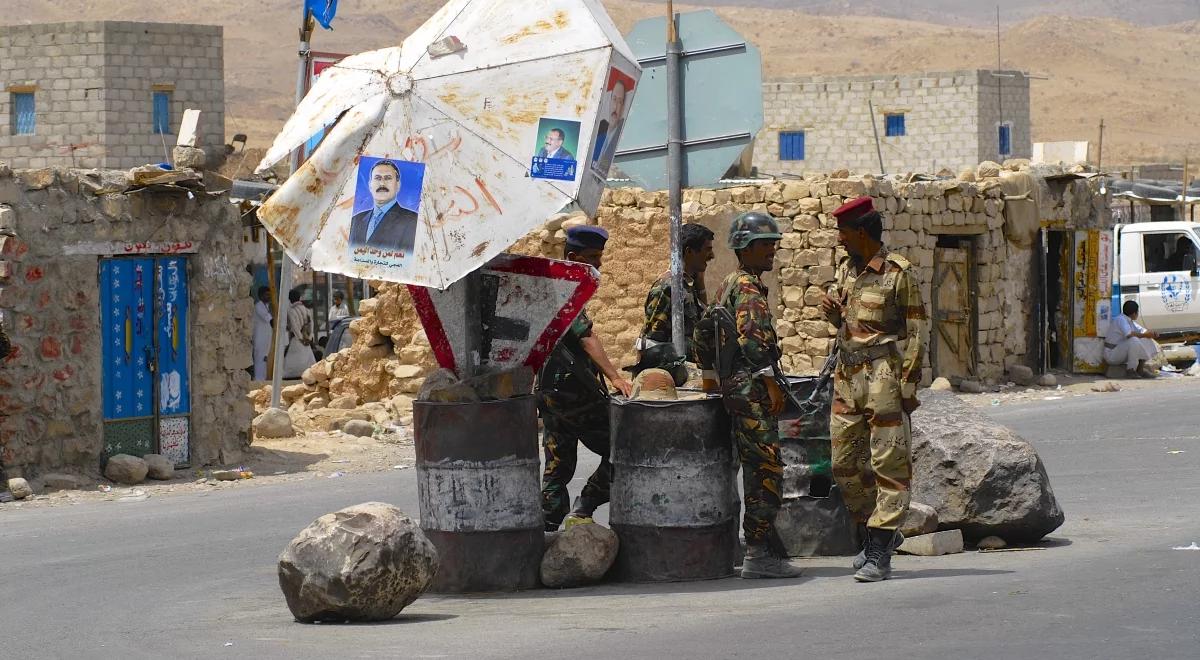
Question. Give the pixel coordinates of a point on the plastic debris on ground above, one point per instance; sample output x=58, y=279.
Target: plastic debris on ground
x=1193, y=546
x=335, y=475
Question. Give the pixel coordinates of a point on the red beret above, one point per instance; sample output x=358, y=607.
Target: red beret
x=853, y=211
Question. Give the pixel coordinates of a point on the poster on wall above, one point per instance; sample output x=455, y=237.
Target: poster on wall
x=387, y=199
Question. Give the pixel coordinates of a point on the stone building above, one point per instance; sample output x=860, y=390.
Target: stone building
x=106, y=94
x=926, y=122
x=125, y=296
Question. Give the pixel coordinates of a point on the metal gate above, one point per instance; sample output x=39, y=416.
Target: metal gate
x=953, y=337
x=144, y=332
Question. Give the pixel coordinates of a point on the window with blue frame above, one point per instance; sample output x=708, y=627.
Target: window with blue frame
x=894, y=125
x=1005, y=139
x=24, y=113
x=162, y=113
x=791, y=145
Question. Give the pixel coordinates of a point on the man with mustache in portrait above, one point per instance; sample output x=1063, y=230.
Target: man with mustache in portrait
x=387, y=225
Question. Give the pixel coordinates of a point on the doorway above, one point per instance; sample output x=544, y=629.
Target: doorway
x=1056, y=320
x=145, y=369
x=953, y=351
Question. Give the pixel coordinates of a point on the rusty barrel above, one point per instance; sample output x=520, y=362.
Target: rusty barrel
x=478, y=483
x=671, y=493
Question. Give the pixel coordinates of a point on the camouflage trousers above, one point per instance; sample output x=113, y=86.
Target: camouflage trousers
x=757, y=442
x=560, y=444
x=871, y=440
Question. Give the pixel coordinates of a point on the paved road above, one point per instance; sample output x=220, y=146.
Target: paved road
x=194, y=576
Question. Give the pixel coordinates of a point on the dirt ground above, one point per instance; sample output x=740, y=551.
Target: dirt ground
x=310, y=455
x=1072, y=386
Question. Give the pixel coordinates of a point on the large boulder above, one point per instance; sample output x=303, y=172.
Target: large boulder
x=126, y=469
x=579, y=555
x=980, y=476
x=363, y=563
x=19, y=488
x=159, y=467
x=274, y=423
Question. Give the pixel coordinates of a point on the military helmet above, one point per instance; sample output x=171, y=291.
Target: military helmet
x=751, y=226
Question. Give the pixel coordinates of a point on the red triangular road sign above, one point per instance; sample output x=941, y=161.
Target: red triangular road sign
x=526, y=304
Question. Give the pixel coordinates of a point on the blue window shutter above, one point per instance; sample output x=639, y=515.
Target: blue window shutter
x=24, y=113
x=162, y=113
x=1005, y=140
x=894, y=126
x=791, y=145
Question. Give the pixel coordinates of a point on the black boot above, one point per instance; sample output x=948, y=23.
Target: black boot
x=861, y=558
x=878, y=565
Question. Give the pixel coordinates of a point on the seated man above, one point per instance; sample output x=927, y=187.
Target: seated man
x=1130, y=342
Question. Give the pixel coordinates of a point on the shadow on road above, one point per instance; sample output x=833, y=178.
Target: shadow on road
x=927, y=573
x=400, y=619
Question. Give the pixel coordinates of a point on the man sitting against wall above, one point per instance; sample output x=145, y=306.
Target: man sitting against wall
x=1130, y=342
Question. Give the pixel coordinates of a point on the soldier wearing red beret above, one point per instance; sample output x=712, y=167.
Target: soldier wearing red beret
x=877, y=307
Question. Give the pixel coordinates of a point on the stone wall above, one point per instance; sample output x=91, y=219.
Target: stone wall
x=951, y=121
x=391, y=355
x=93, y=85
x=55, y=225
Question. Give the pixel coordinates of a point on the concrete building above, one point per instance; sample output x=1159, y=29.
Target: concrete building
x=926, y=122
x=106, y=94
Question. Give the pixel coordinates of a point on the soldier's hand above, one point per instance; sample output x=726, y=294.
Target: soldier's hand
x=709, y=386
x=623, y=385
x=775, y=393
x=832, y=308
x=909, y=405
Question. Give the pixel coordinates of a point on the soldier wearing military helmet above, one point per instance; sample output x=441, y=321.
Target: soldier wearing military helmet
x=743, y=364
x=877, y=307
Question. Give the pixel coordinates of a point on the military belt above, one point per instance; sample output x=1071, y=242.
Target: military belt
x=848, y=358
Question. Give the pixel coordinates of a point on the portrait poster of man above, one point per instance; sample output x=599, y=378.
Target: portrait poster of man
x=554, y=157
x=614, y=106
x=387, y=197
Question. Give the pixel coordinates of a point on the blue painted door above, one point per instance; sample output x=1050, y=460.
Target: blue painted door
x=145, y=380
x=171, y=337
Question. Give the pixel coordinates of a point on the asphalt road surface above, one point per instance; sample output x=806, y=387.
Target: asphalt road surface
x=193, y=576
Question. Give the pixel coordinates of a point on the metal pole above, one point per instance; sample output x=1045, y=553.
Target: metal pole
x=1183, y=191
x=875, y=130
x=1100, y=148
x=675, y=177
x=285, y=270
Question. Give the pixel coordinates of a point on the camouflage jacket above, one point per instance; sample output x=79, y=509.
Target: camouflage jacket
x=745, y=296
x=882, y=305
x=656, y=329
x=564, y=383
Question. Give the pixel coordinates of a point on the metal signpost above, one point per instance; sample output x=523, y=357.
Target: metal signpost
x=707, y=68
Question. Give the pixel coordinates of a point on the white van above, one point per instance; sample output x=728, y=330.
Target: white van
x=1155, y=264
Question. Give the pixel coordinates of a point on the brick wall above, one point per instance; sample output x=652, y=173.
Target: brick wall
x=93, y=85
x=943, y=114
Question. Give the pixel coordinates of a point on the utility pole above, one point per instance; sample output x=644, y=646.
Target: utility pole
x=1100, y=147
x=875, y=130
x=1000, y=88
x=285, y=268
x=1183, y=191
x=675, y=178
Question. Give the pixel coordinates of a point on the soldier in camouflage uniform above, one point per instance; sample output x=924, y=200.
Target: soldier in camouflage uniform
x=573, y=402
x=877, y=306
x=654, y=347
x=751, y=393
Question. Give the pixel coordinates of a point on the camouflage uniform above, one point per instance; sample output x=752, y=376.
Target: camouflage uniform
x=573, y=403
x=755, y=430
x=656, y=329
x=869, y=429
